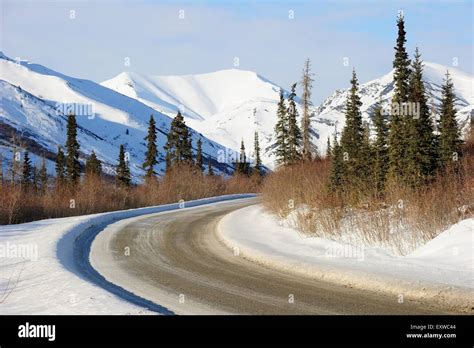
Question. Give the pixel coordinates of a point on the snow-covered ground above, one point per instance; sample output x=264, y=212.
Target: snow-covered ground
x=40, y=273
x=442, y=270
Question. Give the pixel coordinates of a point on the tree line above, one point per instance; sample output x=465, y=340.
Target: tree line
x=408, y=149
x=178, y=152
x=293, y=142
x=401, y=146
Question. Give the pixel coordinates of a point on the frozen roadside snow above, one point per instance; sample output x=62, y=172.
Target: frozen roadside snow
x=441, y=271
x=40, y=273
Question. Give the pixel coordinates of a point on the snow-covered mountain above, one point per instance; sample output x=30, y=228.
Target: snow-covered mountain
x=230, y=105
x=332, y=109
x=224, y=106
x=35, y=102
x=227, y=106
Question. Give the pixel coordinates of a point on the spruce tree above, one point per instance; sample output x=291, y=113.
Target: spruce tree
x=151, y=150
x=242, y=165
x=178, y=144
x=449, y=133
x=336, y=181
x=123, y=172
x=352, y=136
x=400, y=130
x=26, y=172
x=281, y=132
x=306, y=84
x=328, y=148
x=210, y=171
x=186, y=145
x=199, y=159
x=93, y=165
x=380, y=151
x=401, y=64
x=294, y=133
x=423, y=156
x=168, y=160
x=43, y=176
x=1, y=169
x=73, y=168
x=258, y=160
x=35, y=179
x=60, y=166
x=366, y=168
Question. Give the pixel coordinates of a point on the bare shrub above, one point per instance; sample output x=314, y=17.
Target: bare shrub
x=401, y=220
x=95, y=194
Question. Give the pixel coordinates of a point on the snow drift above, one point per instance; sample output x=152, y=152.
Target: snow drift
x=440, y=272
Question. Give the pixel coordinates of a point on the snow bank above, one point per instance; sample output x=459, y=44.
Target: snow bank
x=441, y=271
x=40, y=272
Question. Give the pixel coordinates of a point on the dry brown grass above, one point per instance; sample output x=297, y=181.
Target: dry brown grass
x=95, y=195
x=402, y=220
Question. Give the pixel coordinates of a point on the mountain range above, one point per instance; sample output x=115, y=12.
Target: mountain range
x=222, y=108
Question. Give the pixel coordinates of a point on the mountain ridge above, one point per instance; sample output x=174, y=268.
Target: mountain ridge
x=33, y=100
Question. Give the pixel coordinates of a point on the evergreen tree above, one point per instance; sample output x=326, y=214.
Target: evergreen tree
x=401, y=64
x=328, y=148
x=422, y=150
x=187, y=148
x=60, y=166
x=210, y=171
x=449, y=133
x=199, y=160
x=352, y=136
x=242, y=165
x=294, y=133
x=151, y=151
x=380, y=151
x=400, y=133
x=366, y=168
x=123, y=171
x=178, y=145
x=258, y=160
x=1, y=169
x=396, y=148
x=337, y=167
x=306, y=84
x=43, y=176
x=281, y=132
x=73, y=168
x=26, y=172
x=35, y=179
x=93, y=165
x=168, y=160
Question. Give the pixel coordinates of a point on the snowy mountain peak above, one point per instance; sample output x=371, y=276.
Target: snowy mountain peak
x=331, y=110
x=229, y=105
x=226, y=105
x=223, y=107
x=197, y=96
x=36, y=101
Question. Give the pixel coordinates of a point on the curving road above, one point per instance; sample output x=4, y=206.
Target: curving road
x=176, y=260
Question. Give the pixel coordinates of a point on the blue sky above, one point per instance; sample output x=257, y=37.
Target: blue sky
x=97, y=42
